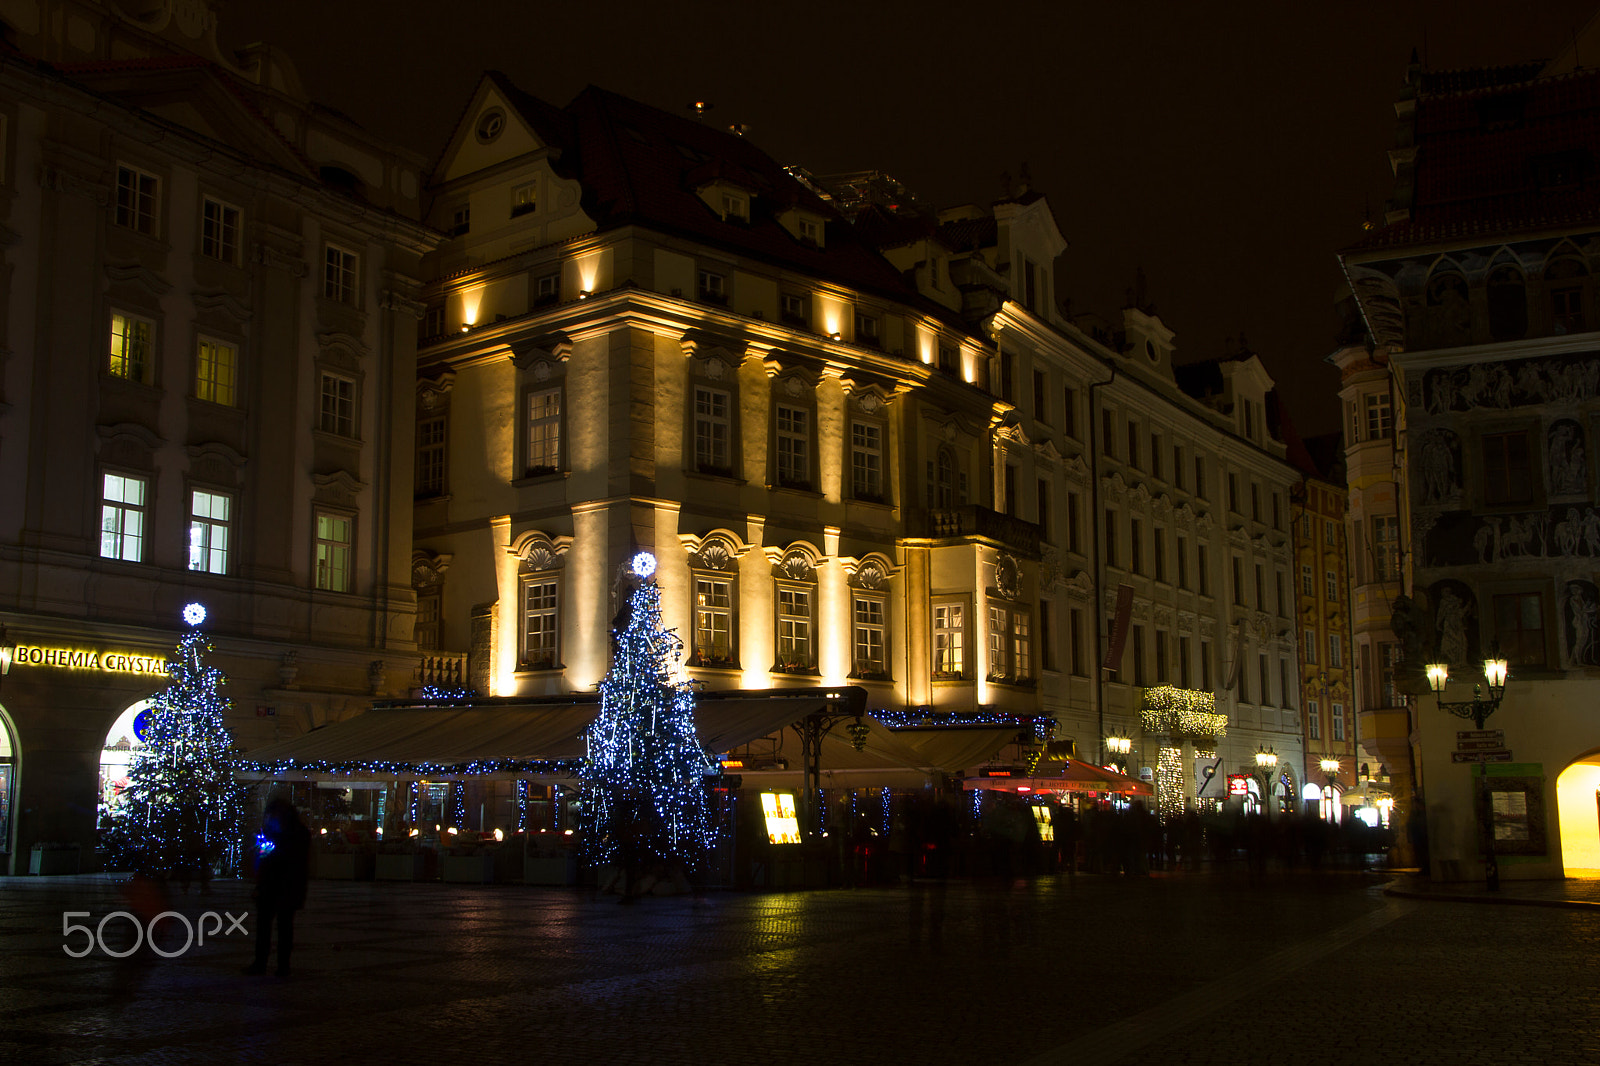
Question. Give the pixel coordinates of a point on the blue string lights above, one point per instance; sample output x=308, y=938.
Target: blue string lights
x=644, y=793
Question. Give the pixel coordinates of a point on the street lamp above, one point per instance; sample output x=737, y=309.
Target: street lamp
x=1478, y=709
x=1266, y=763
x=1330, y=768
x=1119, y=746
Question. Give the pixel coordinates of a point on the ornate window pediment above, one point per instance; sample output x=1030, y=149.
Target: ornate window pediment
x=717, y=550
x=542, y=355
x=537, y=551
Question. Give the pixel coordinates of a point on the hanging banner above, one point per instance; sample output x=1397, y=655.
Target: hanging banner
x=1119, y=629
x=1235, y=668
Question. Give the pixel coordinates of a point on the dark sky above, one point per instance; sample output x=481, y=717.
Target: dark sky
x=1227, y=148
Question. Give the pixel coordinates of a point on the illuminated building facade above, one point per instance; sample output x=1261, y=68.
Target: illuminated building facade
x=1478, y=293
x=207, y=317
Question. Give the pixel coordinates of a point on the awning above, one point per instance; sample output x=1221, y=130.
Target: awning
x=1072, y=776
x=955, y=750
x=1365, y=794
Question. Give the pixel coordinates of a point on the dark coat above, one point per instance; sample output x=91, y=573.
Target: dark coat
x=281, y=876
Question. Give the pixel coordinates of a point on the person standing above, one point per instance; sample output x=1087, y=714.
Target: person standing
x=280, y=882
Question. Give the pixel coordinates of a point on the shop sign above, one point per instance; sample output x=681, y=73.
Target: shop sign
x=111, y=662
x=1238, y=784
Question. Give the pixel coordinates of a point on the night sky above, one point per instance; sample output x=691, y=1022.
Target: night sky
x=1228, y=149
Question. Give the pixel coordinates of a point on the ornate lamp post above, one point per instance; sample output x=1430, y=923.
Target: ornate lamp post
x=1477, y=709
x=1330, y=769
x=1119, y=746
x=1266, y=763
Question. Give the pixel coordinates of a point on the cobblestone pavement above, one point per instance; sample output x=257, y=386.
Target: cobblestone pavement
x=1092, y=971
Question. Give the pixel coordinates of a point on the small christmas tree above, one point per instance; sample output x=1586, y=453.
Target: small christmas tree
x=644, y=794
x=182, y=810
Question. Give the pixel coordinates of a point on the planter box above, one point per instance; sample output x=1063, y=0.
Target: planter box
x=468, y=869
x=561, y=870
x=54, y=861
x=347, y=865
x=399, y=868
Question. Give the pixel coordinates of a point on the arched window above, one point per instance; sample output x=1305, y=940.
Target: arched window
x=1508, y=303
x=1449, y=313
x=1564, y=279
x=8, y=782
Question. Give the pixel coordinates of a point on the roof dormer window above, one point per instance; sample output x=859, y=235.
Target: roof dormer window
x=735, y=207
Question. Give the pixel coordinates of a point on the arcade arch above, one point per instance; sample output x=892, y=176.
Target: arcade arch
x=1578, y=807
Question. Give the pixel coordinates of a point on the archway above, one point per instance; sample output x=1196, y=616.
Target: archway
x=8, y=784
x=124, y=740
x=1578, y=804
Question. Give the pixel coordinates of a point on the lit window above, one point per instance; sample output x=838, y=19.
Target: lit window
x=713, y=287
x=524, y=199
x=338, y=411
x=869, y=637
x=539, y=625
x=430, y=456
x=208, y=531
x=794, y=447
x=544, y=432
x=713, y=429
x=866, y=461
x=339, y=275
x=216, y=368
x=132, y=344
x=794, y=628
x=333, y=552
x=713, y=622
x=949, y=640
x=137, y=196
x=219, y=230
x=122, y=514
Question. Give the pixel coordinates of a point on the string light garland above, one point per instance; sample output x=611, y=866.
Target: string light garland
x=1169, y=782
x=644, y=777
x=1183, y=712
x=183, y=808
x=960, y=719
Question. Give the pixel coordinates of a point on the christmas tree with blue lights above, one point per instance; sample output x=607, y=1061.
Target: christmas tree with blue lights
x=181, y=813
x=644, y=801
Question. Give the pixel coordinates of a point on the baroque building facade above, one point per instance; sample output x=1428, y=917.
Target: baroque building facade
x=1479, y=297
x=207, y=327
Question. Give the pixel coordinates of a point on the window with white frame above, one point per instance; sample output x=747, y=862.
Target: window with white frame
x=713, y=621
x=216, y=371
x=132, y=347
x=796, y=649
x=867, y=329
x=334, y=546
x=866, y=461
x=810, y=230
x=869, y=634
x=1308, y=581
x=1330, y=533
x=1313, y=720
x=525, y=199
x=340, y=274
x=1386, y=547
x=795, y=309
x=1309, y=643
x=547, y=290
x=540, y=623
x=1332, y=581
x=735, y=207
x=138, y=199
x=1338, y=721
x=713, y=287
x=544, y=432
x=713, y=431
x=219, y=230
x=338, y=410
x=1335, y=650
x=210, y=520
x=123, y=504
x=949, y=641
x=431, y=456
x=1010, y=643
x=794, y=447
x=1379, y=419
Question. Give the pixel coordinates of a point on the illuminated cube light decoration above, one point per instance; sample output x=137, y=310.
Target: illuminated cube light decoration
x=1183, y=712
x=783, y=824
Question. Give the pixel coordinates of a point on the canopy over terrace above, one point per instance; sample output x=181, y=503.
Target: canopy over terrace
x=1073, y=775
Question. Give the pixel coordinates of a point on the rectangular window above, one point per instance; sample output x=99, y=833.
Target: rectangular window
x=339, y=274
x=1277, y=510
x=219, y=230
x=1075, y=636
x=333, y=552
x=430, y=456
x=1199, y=477
x=1335, y=651
x=1042, y=509
x=1136, y=545
x=1138, y=656
x=949, y=640
x=1380, y=422
x=1133, y=443
x=1386, y=548
x=1255, y=501
x=1111, y=538
x=870, y=629
x=540, y=625
x=1158, y=552
x=1107, y=434
x=1041, y=404
x=1185, y=674
x=1338, y=721
x=1202, y=569
x=793, y=309
x=1261, y=588
x=544, y=432
x=1074, y=541
x=1308, y=582
x=1309, y=643
x=1161, y=657
x=735, y=208
x=1012, y=505
x=1205, y=666
x=1233, y=494
x=1388, y=661
x=1278, y=581
x=1566, y=309
x=1330, y=534
x=208, y=531
x=1021, y=644
x=132, y=347
x=1313, y=720
x=1238, y=582
x=713, y=622
x=1183, y=562
x=461, y=221
x=1266, y=681
x=1507, y=472
x=547, y=290
x=713, y=430
x=1155, y=455
x=1285, y=690
x=1331, y=580
x=866, y=461
x=122, y=517
x=1069, y=411
x=1519, y=627
x=1007, y=376
x=794, y=447
x=338, y=411
x=1177, y=466
x=524, y=199
x=950, y=359
x=867, y=329
x=1047, y=635
x=794, y=628
x=216, y=369
x=811, y=233
x=138, y=197
x=713, y=287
